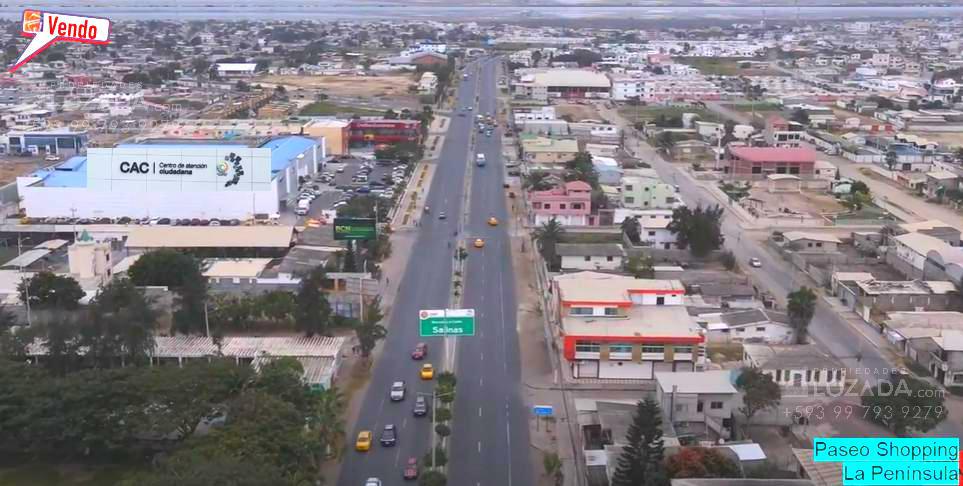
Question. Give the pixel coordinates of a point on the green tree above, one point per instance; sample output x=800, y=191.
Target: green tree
x=46, y=290
x=699, y=230
x=887, y=403
x=858, y=186
x=120, y=324
x=580, y=168
x=891, y=159
x=640, y=462
x=432, y=478
x=188, y=470
x=277, y=305
x=312, y=312
x=665, y=141
x=325, y=418
x=728, y=129
x=759, y=392
x=369, y=331
x=856, y=201
x=548, y=235
x=191, y=304
x=168, y=268
x=631, y=229
x=552, y=464
x=640, y=266
x=701, y=462
x=801, y=309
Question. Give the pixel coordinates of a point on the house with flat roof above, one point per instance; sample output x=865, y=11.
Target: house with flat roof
x=932, y=227
x=618, y=327
x=698, y=400
x=755, y=163
x=549, y=151
x=932, y=339
x=796, y=366
x=806, y=242
x=570, y=204
x=590, y=256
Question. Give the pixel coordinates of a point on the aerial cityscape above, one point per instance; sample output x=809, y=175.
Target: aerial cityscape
x=519, y=243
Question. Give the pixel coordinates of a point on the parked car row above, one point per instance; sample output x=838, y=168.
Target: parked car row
x=145, y=221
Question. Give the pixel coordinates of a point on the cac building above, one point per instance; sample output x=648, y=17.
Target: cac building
x=173, y=179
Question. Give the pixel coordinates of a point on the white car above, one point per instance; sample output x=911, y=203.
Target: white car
x=372, y=482
x=397, y=391
x=755, y=262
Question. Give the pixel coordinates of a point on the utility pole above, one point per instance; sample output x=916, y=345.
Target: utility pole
x=207, y=324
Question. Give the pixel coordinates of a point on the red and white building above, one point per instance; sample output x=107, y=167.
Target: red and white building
x=618, y=327
x=570, y=204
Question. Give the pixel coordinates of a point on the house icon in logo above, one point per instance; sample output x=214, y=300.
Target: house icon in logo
x=32, y=21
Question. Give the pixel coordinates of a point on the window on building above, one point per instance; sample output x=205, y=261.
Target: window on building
x=587, y=346
x=609, y=258
x=645, y=203
x=839, y=375
x=620, y=348
x=547, y=206
x=629, y=200
x=561, y=205
x=611, y=311
x=628, y=187
x=646, y=189
x=651, y=233
x=761, y=329
x=794, y=170
x=819, y=245
x=788, y=375
x=651, y=348
x=537, y=205
x=683, y=349
x=580, y=311
x=588, y=258
x=740, y=330
x=809, y=375
x=660, y=301
x=780, y=170
x=576, y=205
x=715, y=405
x=816, y=375
x=958, y=378
x=757, y=169
x=699, y=406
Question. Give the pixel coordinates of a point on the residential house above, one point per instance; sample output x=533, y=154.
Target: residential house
x=691, y=150
x=698, y=400
x=931, y=227
x=618, y=327
x=541, y=150
x=648, y=192
x=590, y=256
x=782, y=133
x=748, y=325
x=940, y=181
x=932, y=339
x=864, y=294
x=570, y=204
x=925, y=257
x=804, y=242
x=754, y=163
x=794, y=366
x=825, y=170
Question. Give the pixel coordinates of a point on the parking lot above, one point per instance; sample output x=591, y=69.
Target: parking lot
x=344, y=184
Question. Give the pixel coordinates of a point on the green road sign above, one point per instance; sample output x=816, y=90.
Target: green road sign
x=355, y=229
x=447, y=322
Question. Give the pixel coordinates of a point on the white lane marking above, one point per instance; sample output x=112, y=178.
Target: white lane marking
x=404, y=422
x=481, y=381
x=481, y=356
x=508, y=441
x=479, y=447
x=479, y=411
x=397, y=456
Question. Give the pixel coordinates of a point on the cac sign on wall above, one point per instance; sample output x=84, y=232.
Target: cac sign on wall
x=231, y=165
x=203, y=168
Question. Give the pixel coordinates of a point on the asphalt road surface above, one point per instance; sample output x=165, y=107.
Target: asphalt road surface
x=489, y=442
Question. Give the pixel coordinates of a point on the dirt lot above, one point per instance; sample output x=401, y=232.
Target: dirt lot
x=348, y=85
x=811, y=203
x=13, y=167
x=577, y=112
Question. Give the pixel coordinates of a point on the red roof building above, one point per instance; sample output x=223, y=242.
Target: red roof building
x=376, y=132
x=755, y=163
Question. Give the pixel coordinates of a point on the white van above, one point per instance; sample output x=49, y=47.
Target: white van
x=303, y=206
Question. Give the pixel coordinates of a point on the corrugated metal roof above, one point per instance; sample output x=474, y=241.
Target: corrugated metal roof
x=28, y=257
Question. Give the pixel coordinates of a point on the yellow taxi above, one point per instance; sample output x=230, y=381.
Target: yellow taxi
x=479, y=243
x=364, y=441
x=492, y=221
x=427, y=371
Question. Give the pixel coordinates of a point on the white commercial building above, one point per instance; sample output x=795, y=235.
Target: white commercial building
x=173, y=179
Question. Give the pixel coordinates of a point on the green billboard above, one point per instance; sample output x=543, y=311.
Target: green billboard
x=355, y=229
x=446, y=322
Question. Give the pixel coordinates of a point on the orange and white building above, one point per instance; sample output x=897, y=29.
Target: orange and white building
x=618, y=327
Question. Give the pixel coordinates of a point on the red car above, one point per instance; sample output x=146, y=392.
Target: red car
x=411, y=469
x=421, y=350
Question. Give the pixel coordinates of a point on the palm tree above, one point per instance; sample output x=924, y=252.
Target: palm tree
x=547, y=236
x=536, y=181
x=326, y=418
x=369, y=331
x=801, y=308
